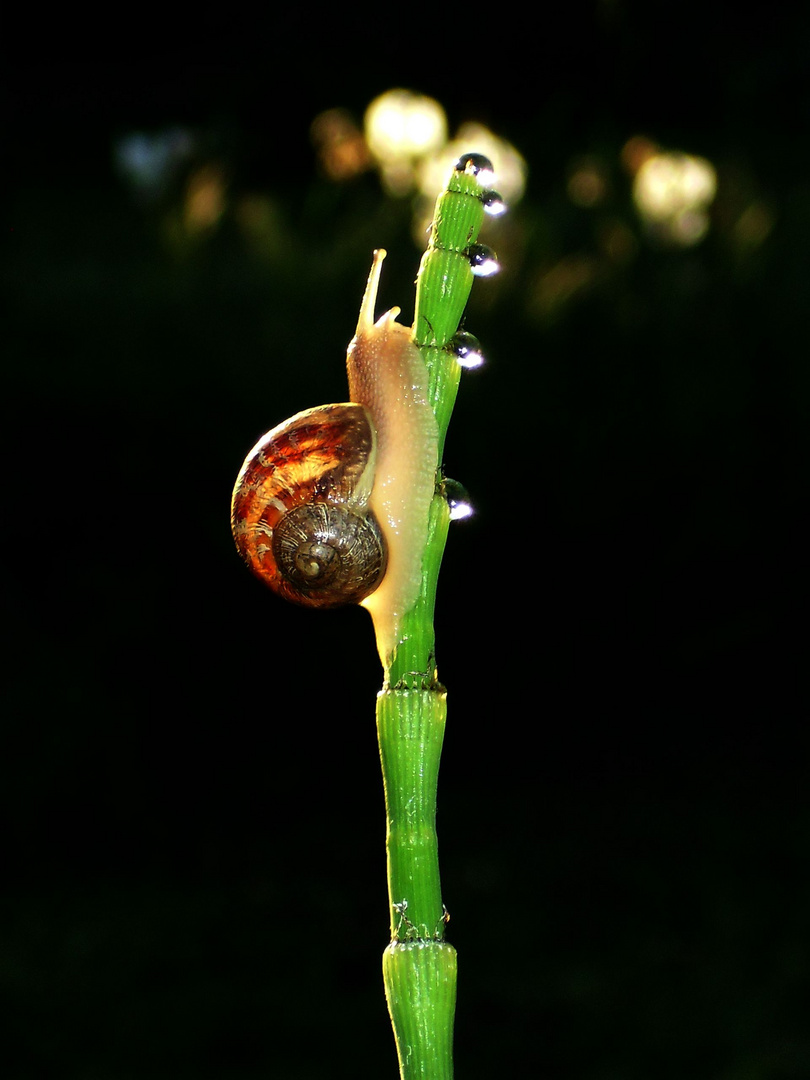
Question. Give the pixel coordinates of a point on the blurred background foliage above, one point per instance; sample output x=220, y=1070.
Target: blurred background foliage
x=192, y=812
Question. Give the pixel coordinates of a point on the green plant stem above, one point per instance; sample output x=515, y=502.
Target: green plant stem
x=419, y=966
x=442, y=289
x=411, y=731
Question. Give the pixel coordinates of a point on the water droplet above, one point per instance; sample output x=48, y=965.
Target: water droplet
x=483, y=260
x=476, y=165
x=467, y=349
x=473, y=163
x=458, y=500
x=493, y=203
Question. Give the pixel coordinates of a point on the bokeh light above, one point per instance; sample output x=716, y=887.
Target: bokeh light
x=560, y=283
x=753, y=226
x=205, y=198
x=150, y=162
x=401, y=128
x=587, y=182
x=342, y=149
x=672, y=192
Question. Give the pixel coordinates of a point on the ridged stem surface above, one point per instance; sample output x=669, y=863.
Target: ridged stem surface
x=419, y=966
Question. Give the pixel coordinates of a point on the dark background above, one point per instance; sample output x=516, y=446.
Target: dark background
x=192, y=810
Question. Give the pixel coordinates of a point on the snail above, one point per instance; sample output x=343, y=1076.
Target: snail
x=331, y=507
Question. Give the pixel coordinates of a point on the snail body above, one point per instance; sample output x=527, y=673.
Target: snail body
x=331, y=507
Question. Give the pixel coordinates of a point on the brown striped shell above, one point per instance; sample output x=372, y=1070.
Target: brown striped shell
x=300, y=514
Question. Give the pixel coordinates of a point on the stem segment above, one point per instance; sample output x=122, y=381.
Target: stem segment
x=419, y=967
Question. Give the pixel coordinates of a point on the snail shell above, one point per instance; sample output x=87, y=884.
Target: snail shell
x=300, y=513
x=331, y=507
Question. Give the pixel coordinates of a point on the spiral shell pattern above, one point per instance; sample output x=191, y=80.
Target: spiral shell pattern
x=300, y=514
